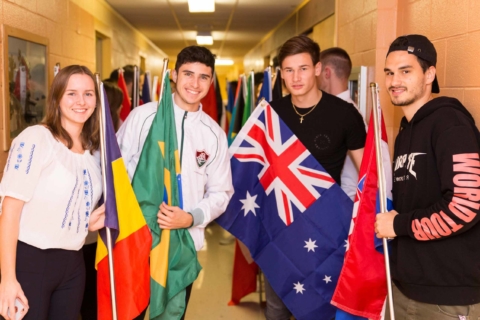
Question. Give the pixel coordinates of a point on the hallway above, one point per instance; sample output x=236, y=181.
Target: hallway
x=212, y=289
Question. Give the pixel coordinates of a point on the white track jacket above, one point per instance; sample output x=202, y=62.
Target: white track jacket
x=205, y=162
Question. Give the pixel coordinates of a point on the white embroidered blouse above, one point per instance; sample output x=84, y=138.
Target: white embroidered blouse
x=60, y=189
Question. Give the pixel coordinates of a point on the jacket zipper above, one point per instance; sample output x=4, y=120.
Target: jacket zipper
x=181, y=144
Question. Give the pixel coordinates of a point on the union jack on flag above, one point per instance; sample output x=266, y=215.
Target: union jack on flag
x=289, y=212
x=284, y=171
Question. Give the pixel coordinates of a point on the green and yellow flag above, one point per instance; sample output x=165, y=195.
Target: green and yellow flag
x=173, y=259
x=248, y=99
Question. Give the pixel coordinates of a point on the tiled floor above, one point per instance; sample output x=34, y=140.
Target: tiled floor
x=212, y=289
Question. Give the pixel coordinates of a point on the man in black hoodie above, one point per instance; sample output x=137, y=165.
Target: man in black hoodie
x=435, y=256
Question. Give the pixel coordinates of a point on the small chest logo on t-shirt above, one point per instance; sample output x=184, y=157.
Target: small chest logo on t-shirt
x=409, y=160
x=202, y=158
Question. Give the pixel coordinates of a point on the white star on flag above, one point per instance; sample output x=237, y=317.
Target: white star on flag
x=310, y=245
x=346, y=245
x=327, y=279
x=249, y=204
x=299, y=287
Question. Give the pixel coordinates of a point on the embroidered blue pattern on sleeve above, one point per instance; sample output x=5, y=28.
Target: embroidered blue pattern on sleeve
x=88, y=195
x=69, y=203
x=30, y=159
x=19, y=155
x=9, y=157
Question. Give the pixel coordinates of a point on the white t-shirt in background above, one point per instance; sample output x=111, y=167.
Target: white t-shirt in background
x=349, y=176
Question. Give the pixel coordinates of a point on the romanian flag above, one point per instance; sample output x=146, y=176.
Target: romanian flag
x=126, y=104
x=131, y=239
x=157, y=179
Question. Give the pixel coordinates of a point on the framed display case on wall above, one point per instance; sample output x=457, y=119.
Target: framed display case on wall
x=25, y=81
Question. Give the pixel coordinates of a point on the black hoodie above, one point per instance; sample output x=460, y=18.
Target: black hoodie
x=436, y=191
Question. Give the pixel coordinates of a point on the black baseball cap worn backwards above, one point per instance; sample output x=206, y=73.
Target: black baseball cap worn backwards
x=420, y=46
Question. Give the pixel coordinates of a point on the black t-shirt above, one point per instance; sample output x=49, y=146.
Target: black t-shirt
x=332, y=128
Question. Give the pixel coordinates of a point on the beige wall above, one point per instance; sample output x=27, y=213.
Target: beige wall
x=324, y=33
x=365, y=28
x=454, y=29
x=70, y=28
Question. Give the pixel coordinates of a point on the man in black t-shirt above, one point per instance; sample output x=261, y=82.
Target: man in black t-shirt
x=325, y=124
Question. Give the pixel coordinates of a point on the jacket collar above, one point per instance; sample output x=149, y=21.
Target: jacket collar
x=192, y=116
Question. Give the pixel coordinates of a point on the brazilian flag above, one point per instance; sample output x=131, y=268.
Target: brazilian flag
x=173, y=259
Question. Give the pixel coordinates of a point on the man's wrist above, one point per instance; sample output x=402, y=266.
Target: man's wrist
x=198, y=216
x=193, y=220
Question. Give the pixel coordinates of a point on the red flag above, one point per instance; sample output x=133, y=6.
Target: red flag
x=126, y=104
x=362, y=286
x=209, y=103
x=244, y=280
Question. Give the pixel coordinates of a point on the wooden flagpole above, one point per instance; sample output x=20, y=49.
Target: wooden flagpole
x=381, y=188
x=103, y=161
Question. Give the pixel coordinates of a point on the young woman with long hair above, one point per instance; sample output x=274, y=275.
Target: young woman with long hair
x=50, y=187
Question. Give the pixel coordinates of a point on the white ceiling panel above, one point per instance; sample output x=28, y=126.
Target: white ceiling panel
x=236, y=25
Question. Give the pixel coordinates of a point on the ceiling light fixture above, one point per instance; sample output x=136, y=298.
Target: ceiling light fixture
x=204, y=38
x=201, y=5
x=223, y=62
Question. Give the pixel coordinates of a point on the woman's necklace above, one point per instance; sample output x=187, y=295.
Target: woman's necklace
x=303, y=115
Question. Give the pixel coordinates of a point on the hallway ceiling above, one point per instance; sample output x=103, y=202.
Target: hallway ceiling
x=236, y=25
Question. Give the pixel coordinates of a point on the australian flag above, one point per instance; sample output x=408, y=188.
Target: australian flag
x=289, y=212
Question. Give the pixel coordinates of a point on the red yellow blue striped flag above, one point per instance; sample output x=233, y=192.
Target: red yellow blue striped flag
x=131, y=238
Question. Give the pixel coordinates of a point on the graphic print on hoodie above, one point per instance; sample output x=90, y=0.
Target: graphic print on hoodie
x=436, y=191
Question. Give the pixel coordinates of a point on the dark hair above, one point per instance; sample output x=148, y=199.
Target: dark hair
x=90, y=135
x=128, y=73
x=339, y=60
x=115, y=99
x=299, y=44
x=195, y=54
x=403, y=41
x=258, y=78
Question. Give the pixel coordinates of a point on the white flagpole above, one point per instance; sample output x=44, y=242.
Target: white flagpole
x=146, y=77
x=269, y=84
x=381, y=188
x=103, y=161
x=136, y=90
x=252, y=91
